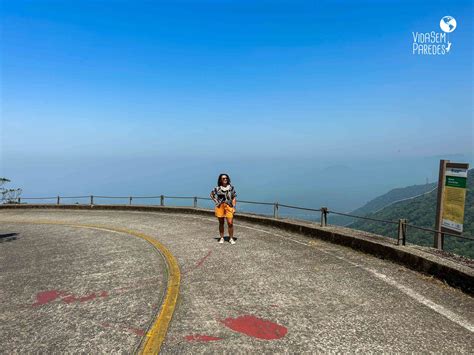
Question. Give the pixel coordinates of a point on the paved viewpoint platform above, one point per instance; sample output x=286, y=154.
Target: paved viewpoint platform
x=71, y=288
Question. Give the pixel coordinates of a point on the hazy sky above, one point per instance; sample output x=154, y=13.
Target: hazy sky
x=95, y=91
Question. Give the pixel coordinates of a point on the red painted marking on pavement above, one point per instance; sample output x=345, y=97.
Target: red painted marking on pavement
x=69, y=299
x=49, y=296
x=87, y=298
x=199, y=337
x=256, y=327
x=123, y=289
x=137, y=331
x=46, y=297
x=201, y=261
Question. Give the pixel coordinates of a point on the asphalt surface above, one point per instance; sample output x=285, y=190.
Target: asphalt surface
x=66, y=289
x=272, y=292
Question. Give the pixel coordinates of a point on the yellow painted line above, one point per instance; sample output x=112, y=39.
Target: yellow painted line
x=157, y=332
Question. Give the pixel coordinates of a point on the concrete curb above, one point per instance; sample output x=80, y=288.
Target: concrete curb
x=453, y=273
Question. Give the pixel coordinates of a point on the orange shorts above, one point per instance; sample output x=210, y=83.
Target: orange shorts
x=224, y=210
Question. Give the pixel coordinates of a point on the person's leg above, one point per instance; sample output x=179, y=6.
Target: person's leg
x=220, y=214
x=230, y=225
x=221, y=229
x=229, y=215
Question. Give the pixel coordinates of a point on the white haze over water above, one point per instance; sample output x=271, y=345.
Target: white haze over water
x=338, y=184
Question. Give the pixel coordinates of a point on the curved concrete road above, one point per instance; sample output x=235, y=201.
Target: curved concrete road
x=273, y=291
x=67, y=289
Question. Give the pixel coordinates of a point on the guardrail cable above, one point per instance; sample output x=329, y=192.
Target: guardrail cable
x=179, y=197
x=300, y=208
x=257, y=203
x=367, y=218
x=142, y=197
x=72, y=197
x=275, y=204
x=445, y=233
x=40, y=198
x=112, y=197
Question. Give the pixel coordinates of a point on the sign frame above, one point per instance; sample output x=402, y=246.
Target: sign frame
x=444, y=165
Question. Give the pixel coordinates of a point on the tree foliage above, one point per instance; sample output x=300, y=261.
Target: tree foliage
x=421, y=211
x=8, y=195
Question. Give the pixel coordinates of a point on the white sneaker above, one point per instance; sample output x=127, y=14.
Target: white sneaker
x=232, y=241
x=221, y=241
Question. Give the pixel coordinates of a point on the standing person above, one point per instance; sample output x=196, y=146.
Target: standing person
x=224, y=197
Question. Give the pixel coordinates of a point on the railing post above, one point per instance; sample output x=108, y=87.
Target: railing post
x=92, y=200
x=402, y=231
x=131, y=200
x=195, y=202
x=275, y=210
x=162, y=200
x=439, y=236
x=405, y=231
x=324, y=216
x=400, y=228
x=58, y=200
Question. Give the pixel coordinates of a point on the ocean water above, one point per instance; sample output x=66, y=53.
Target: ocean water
x=341, y=185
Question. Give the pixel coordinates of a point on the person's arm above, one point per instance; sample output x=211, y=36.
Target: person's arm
x=234, y=200
x=213, y=196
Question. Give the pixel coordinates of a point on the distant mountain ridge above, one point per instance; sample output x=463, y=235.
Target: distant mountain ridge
x=393, y=196
x=421, y=211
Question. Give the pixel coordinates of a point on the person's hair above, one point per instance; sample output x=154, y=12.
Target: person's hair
x=220, y=178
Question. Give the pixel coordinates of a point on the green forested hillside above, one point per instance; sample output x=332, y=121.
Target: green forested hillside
x=421, y=212
x=384, y=200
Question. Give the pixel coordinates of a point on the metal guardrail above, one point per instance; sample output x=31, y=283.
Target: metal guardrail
x=445, y=233
x=93, y=200
x=324, y=211
x=402, y=227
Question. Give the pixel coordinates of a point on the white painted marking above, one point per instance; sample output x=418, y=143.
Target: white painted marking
x=453, y=317
x=423, y=300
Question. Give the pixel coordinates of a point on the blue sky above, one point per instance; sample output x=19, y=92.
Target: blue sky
x=90, y=88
